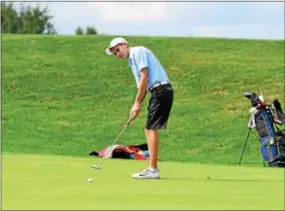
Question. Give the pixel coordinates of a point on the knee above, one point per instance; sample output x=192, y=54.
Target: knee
x=146, y=131
x=149, y=132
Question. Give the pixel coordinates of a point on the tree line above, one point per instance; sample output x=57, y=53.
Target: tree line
x=31, y=20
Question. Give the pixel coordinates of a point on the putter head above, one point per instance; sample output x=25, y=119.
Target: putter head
x=96, y=166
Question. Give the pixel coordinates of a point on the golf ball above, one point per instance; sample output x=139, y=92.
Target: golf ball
x=90, y=180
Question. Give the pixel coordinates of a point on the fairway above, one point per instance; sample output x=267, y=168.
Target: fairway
x=36, y=182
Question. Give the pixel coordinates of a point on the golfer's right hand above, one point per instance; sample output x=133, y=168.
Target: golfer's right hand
x=133, y=115
x=134, y=111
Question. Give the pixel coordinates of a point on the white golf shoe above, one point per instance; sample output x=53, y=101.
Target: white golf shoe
x=147, y=174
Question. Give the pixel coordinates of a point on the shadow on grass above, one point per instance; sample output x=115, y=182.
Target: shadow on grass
x=209, y=179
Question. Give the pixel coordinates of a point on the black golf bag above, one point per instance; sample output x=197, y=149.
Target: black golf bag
x=267, y=119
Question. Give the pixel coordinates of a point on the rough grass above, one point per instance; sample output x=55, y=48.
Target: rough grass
x=62, y=95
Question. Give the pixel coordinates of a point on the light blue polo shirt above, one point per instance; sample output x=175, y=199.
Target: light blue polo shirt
x=141, y=57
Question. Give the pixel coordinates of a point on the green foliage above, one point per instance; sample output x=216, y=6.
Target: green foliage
x=79, y=31
x=26, y=20
x=64, y=95
x=91, y=30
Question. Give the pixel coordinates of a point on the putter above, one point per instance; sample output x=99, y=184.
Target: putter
x=98, y=166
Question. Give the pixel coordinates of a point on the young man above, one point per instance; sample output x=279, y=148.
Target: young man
x=150, y=76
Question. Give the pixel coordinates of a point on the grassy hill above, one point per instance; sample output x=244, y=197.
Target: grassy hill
x=62, y=95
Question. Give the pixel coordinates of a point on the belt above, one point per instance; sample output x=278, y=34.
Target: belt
x=158, y=84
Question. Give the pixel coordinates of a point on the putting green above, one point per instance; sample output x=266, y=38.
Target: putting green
x=56, y=182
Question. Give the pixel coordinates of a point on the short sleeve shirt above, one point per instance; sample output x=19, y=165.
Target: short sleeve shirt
x=141, y=57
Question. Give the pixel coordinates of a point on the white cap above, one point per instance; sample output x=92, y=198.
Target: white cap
x=113, y=43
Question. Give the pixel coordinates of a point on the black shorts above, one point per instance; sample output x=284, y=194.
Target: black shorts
x=159, y=107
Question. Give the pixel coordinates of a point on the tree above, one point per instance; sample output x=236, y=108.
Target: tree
x=8, y=17
x=79, y=31
x=26, y=20
x=91, y=31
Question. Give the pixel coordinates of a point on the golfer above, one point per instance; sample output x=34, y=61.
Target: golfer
x=150, y=76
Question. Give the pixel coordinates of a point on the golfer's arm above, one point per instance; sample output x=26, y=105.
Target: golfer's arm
x=142, y=87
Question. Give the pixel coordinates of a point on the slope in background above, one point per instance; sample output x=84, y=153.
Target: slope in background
x=62, y=95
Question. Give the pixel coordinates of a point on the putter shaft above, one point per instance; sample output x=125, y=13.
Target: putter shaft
x=100, y=162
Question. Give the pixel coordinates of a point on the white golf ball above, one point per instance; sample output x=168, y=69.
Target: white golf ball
x=90, y=180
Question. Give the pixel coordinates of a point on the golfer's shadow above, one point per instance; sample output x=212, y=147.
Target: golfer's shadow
x=209, y=179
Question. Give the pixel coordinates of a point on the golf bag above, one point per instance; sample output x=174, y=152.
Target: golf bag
x=136, y=152
x=266, y=119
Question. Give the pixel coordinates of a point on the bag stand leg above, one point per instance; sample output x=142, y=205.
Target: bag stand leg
x=248, y=133
x=244, y=145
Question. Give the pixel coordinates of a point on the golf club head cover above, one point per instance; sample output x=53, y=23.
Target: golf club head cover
x=279, y=111
x=253, y=97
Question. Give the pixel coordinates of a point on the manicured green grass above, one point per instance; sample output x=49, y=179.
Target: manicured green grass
x=38, y=182
x=62, y=95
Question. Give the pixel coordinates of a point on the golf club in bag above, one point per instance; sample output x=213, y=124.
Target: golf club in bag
x=98, y=166
x=267, y=119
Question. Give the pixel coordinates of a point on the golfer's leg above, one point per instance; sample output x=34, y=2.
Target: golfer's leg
x=153, y=144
